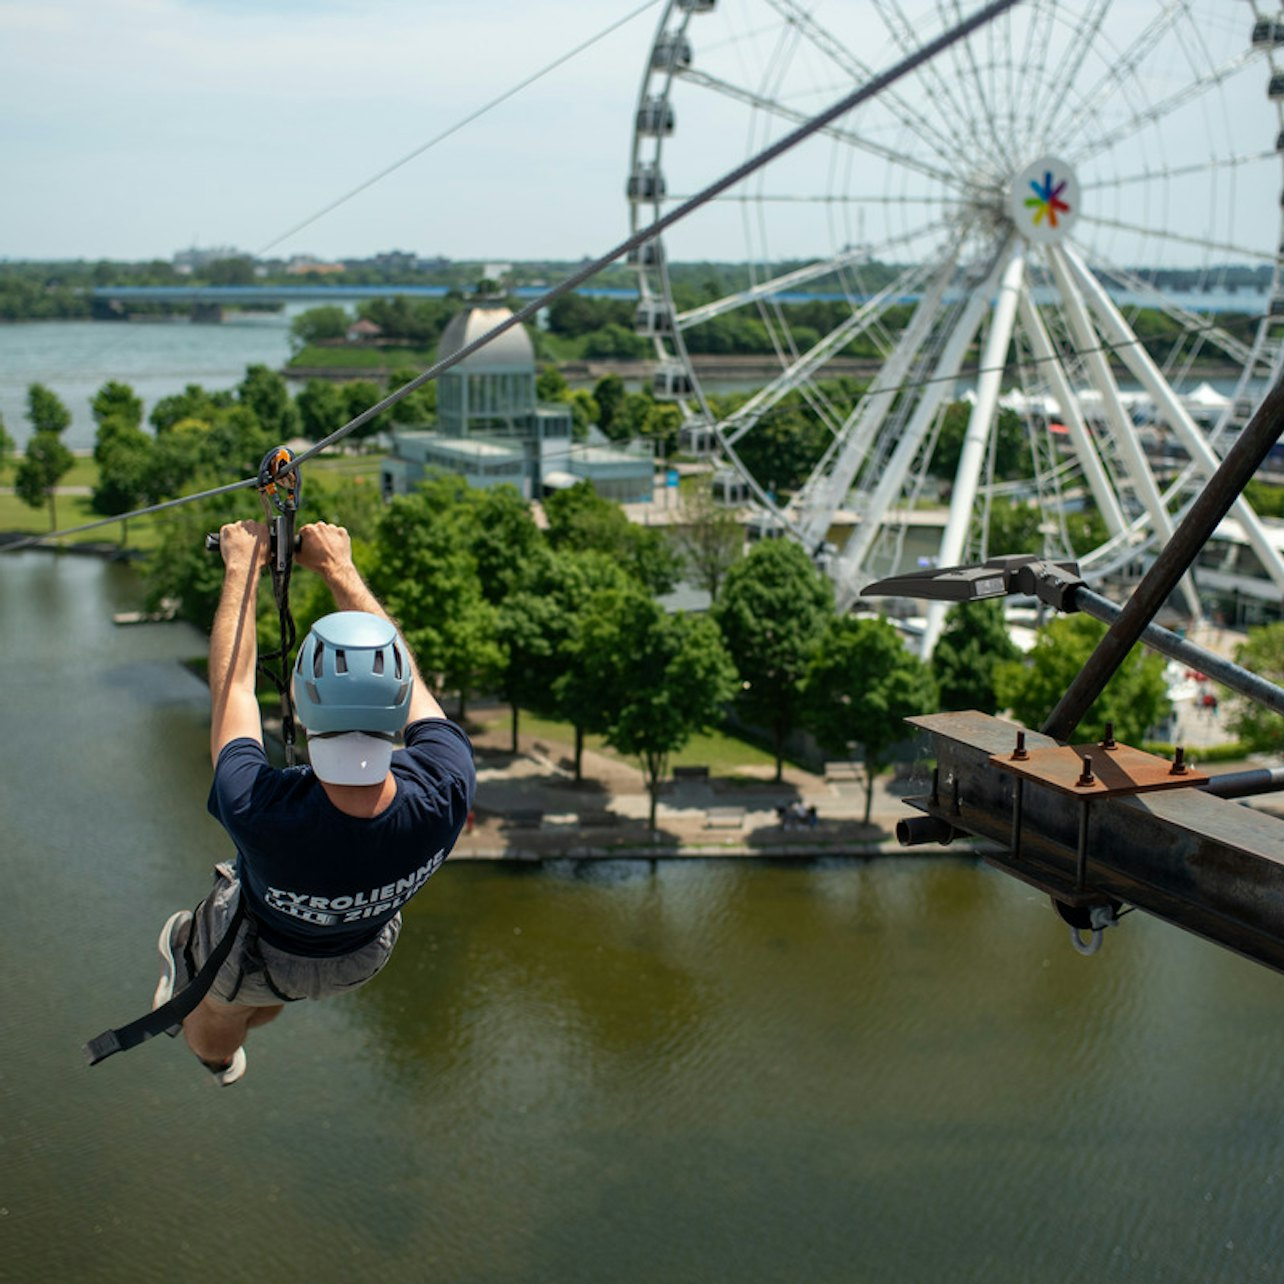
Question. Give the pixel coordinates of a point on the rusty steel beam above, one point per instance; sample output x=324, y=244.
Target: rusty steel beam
x=1139, y=833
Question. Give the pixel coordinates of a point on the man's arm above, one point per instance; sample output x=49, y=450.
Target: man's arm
x=234, y=709
x=327, y=550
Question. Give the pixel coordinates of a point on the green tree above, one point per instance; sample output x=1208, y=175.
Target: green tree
x=266, y=395
x=773, y=608
x=502, y=537
x=708, y=535
x=784, y=447
x=184, y=571
x=317, y=325
x=579, y=518
x=322, y=409
x=538, y=622
x=192, y=403
x=1254, y=724
x=416, y=408
x=117, y=401
x=1135, y=699
x=659, y=678
x=972, y=644
x=43, y=466
x=7, y=447
x=1011, y=445
x=584, y=413
x=123, y=452
x=609, y=393
x=427, y=577
x=45, y=411
x=1086, y=530
x=358, y=396
x=1013, y=528
x=551, y=385
x=861, y=684
x=662, y=424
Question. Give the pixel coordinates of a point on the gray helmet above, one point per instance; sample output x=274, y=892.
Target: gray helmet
x=353, y=674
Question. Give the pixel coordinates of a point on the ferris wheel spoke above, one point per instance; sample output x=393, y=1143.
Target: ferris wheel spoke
x=949, y=106
x=1175, y=238
x=1135, y=357
x=964, y=57
x=834, y=475
x=767, y=289
x=916, y=121
x=859, y=321
x=1050, y=366
x=793, y=116
x=1047, y=92
x=1236, y=349
x=891, y=479
x=1127, y=129
x=1121, y=427
x=1151, y=174
x=1120, y=67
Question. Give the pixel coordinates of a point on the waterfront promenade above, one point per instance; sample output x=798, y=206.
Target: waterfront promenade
x=530, y=807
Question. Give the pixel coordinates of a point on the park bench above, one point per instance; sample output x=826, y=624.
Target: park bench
x=690, y=773
x=526, y=818
x=724, y=817
x=842, y=771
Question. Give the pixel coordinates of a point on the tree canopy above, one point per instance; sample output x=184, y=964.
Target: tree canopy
x=973, y=643
x=1262, y=653
x=773, y=608
x=1135, y=699
x=861, y=684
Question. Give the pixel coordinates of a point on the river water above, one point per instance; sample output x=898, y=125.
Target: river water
x=697, y=1071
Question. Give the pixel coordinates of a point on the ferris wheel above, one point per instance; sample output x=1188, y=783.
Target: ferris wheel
x=1004, y=226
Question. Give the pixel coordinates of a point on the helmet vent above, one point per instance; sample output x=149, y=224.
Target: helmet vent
x=398, y=666
x=340, y=661
x=313, y=692
x=317, y=665
x=378, y=663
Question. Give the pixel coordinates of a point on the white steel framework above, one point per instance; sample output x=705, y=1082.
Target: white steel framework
x=1052, y=221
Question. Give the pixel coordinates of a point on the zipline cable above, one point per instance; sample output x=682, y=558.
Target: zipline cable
x=866, y=91
x=456, y=127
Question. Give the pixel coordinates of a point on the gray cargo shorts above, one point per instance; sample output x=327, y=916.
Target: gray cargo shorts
x=258, y=974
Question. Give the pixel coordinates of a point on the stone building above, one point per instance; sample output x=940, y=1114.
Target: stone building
x=491, y=429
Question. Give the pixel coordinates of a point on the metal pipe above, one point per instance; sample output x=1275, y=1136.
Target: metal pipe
x=1229, y=674
x=1244, y=784
x=914, y=830
x=1174, y=560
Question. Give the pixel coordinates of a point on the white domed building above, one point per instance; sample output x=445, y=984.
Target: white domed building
x=490, y=429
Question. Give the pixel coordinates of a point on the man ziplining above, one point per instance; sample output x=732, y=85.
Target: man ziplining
x=327, y=854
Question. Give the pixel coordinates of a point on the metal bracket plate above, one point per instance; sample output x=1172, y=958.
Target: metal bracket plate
x=1115, y=772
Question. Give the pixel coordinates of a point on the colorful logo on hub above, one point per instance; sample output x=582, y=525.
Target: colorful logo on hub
x=1044, y=200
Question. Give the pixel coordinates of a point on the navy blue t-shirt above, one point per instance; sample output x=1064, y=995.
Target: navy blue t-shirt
x=322, y=882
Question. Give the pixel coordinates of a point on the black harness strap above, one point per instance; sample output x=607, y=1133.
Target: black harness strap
x=160, y=1020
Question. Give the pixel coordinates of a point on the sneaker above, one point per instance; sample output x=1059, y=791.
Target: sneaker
x=227, y=1072
x=174, y=974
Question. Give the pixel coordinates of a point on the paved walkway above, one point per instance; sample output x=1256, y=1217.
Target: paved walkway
x=529, y=807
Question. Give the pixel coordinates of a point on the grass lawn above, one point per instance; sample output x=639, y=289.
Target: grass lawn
x=722, y=753
x=144, y=533
x=359, y=360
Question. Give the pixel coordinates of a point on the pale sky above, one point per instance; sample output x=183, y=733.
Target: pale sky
x=134, y=128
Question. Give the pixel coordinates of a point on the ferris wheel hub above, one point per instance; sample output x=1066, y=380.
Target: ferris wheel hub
x=1043, y=200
